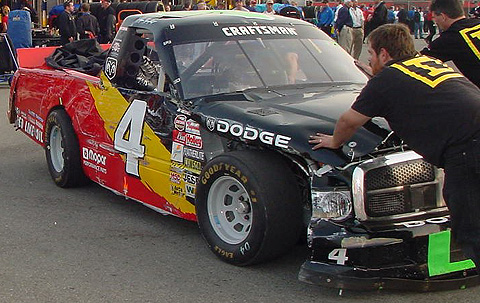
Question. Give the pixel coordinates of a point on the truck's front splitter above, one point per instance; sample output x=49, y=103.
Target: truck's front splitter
x=344, y=277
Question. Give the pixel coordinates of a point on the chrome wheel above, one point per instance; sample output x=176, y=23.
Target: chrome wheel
x=229, y=210
x=56, y=148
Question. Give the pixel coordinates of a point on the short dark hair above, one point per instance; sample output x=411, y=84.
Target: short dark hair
x=85, y=7
x=395, y=39
x=67, y=3
x=452, y=8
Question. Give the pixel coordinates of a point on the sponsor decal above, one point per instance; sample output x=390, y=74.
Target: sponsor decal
x=210, y=124
x=177, y=190
x=96, y=167
x=30, y=128
x=178, y=167
x=115, y=46
x=192, y=165
x=194, y=154
x=111, y=68
x=192, y=127
x=91, y=155
x=258, y=30
x=180, y=122
x=251, y=133
x=177, y=152
x=179, y=136
x=190, y=178
x=193, y=141
x=175, y=177
x=190, y=190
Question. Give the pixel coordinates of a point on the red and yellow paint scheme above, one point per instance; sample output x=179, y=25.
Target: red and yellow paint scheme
x=96, y=108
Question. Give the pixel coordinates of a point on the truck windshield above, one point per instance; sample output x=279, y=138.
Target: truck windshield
x=209, y=68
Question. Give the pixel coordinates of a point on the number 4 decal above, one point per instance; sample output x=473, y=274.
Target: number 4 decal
x=339, y=255
x=128, y=135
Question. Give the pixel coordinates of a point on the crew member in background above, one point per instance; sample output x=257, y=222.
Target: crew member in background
x=4, y=14
x=66, y=24
x=87, y=24
x=459, y=40
x=379, y=16
x=344, y=26
x=269, y=8
x=325, y=18
x=106, y=21
x=437, y=113
x=357, y=30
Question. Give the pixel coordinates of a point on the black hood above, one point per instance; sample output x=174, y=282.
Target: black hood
x=294, y=113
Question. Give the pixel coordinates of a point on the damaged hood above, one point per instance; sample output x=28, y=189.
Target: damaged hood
x=285, y=118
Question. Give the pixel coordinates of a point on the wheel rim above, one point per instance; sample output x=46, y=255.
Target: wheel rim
x=56, y=148
x=229, y=210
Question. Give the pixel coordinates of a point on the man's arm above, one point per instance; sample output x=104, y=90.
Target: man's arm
x=346, y=126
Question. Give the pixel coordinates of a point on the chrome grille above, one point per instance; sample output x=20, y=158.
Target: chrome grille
x=396, y=185
x=411, y=172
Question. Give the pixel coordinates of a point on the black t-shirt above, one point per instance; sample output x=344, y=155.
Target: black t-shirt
x=426, y=103
x=461, y=44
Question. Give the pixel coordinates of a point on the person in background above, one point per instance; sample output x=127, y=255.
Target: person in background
x=391, y=15
x=87, y=24
x=357, y=30
x=201, y=6
x=66, y=24
x=438, y=117
x=379, y=16
x=402, y=15
x=4, y=22
x=430, y=25
x=458, y=40
x=220, y=6
x=344, y=25
x=240, y=6
x=269, y=8
x=325, y=18
x=106, y=22
x=252, y=6
x=418, y=25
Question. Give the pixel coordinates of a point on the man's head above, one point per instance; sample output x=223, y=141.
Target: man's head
x=269, y=4
x=68, y=6
x=105, y=3
x=347, y=3
x=253, y=3
x=445, y=12
x=389, y=42
x=201, y=6
x=239, y=3
x=85, y=7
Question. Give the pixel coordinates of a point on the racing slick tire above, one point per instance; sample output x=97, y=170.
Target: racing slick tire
x=63, y=151
x=248, y=206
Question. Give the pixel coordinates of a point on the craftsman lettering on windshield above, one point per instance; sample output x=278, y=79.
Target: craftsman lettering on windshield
x=258, y=30
x=472, y=37
x=427, y=70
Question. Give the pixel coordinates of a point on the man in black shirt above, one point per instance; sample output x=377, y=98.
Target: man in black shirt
x=460, y=39
x=87, y=24
x=106, y=20
x=66, y=24
x=379, y=16
x=437, y=115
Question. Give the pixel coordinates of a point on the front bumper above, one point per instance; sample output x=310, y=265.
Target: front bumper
x=419, y=258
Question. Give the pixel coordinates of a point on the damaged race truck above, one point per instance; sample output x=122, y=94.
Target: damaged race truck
x=206, y=115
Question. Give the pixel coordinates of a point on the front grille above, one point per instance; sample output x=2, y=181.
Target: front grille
x=404, y=173
x=395, y=185
x=386, y=204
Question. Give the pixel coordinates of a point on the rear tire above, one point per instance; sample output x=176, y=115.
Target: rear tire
x=63, y=151
x=248, y=207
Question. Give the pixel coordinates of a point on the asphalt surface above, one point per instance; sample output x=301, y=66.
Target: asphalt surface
x=89, y=245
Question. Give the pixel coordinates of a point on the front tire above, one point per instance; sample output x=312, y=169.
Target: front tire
x=248, y=206
x=63, y=151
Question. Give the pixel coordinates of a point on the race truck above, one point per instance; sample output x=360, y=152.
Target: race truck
x=206, y=116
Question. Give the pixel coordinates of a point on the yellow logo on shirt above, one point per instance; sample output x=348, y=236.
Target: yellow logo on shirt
x=472, y=37
x=427, y=70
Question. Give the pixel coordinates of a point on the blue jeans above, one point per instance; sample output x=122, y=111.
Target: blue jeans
x=462, y=194
x=418, y=30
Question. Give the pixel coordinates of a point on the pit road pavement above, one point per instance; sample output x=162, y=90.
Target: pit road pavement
x=90, y=245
